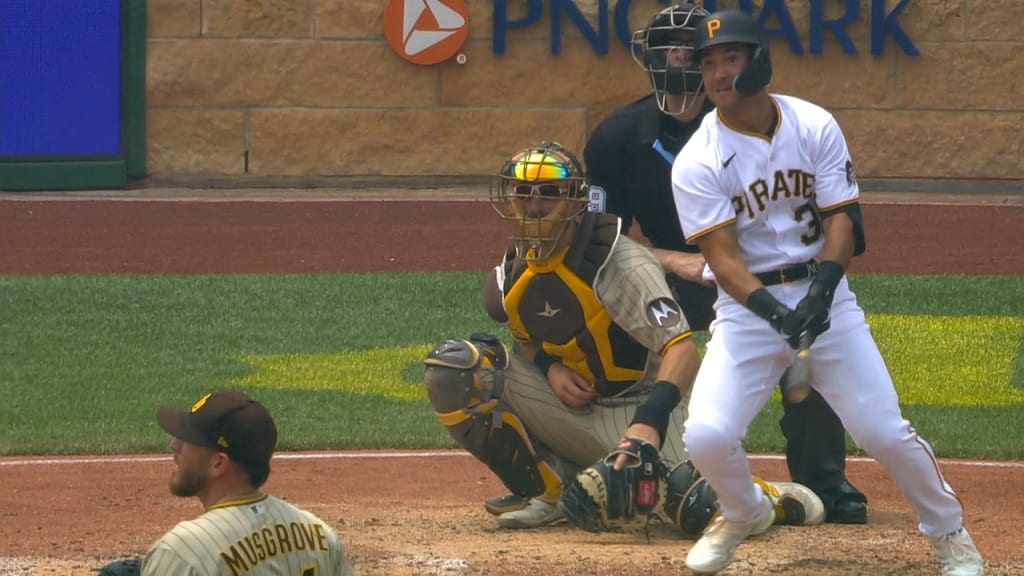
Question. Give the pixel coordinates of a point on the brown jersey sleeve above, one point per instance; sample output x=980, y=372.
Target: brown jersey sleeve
x=632, y=288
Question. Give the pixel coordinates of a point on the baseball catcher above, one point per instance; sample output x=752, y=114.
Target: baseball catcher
x=601, y=355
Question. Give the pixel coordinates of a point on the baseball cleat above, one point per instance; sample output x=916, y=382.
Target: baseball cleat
x=536, y=513
x=507, y=503
x=845, y=505
x=799, y=505
x=958, y=555
x=715, y=549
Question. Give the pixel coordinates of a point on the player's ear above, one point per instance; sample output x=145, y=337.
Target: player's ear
x=219, y=465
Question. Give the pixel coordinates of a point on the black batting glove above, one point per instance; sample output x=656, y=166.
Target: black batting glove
x=779, y=316
x=812, y=314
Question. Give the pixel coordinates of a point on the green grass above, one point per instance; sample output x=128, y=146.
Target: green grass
x=86, y=360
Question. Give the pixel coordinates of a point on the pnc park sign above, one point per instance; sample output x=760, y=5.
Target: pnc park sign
x=431, y=31
x=884, y=23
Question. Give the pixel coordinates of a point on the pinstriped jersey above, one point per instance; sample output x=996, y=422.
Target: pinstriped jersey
x=601, y=306
x=259, y=536
x=774, y=189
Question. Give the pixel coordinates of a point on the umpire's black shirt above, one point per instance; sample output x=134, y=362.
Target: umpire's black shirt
x=629, y=156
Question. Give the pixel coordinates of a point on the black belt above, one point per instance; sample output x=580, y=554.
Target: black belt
x=788, y=274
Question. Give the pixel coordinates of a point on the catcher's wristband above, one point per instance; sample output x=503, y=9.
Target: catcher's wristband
x=657, y=410
x=544, y=361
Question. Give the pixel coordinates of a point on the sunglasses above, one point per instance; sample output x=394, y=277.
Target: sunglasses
x=542, y=190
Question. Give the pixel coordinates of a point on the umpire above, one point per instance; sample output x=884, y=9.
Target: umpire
x=629, y=159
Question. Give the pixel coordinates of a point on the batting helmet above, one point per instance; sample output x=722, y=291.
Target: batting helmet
x=541, y=190
x=664, y=49
x=735, y=27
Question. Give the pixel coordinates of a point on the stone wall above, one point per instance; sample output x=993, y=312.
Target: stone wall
x=249, y=89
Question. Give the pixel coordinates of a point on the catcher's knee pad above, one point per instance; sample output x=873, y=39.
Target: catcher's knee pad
x=465, y=373
x=690, y=502
x=464, y=380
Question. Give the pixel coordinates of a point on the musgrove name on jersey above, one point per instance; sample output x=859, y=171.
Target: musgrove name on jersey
x=249, y=551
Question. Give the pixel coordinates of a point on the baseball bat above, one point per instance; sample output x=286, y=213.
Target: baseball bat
x=797, y=383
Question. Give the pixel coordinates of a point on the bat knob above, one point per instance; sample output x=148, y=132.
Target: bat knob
x=798, y=393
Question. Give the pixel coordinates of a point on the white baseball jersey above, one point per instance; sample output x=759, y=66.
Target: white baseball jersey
x=258, y=537
x=773, y=189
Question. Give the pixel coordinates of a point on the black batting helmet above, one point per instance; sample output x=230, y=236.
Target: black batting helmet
x=735, y=27
x=664, y=49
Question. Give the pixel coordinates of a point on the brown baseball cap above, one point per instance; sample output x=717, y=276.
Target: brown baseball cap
x=228, y=421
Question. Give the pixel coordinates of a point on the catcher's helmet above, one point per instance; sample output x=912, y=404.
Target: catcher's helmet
x=735, y=27
x=665, y=50
x=541, y=190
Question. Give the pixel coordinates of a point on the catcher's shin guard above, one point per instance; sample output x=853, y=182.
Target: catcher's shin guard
x=463, y=379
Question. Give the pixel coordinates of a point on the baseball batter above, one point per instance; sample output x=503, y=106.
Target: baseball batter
x=222, y=449
x=629, y=158
x=766, y=189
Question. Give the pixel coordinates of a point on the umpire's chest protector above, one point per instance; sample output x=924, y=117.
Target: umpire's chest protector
x=552, y=304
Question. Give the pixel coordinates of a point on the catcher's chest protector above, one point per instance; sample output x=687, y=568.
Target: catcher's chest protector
x=554, y=304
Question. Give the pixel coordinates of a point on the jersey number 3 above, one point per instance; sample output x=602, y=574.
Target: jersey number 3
x=809, y=212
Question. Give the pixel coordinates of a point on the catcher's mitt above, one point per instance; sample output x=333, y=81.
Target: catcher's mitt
x=130, y=567
x=602, y=498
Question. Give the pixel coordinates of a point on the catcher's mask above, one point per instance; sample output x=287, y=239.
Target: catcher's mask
x=665, y=50
x=735, y=27
x=541, y=190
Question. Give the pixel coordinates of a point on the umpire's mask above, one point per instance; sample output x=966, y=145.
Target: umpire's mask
x=541, y=191
x=665, y=50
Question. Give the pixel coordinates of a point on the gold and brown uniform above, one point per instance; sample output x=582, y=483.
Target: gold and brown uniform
x=602, y=307
x=259, y=536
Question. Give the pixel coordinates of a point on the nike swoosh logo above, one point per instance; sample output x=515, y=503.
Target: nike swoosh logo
x=728, y=160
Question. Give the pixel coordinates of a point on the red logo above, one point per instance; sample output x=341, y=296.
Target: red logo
x=646, y=493
x=426, y=31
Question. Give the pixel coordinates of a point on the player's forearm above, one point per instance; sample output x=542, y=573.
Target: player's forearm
x=839, y=240
x=722, y=253
x=665, y=257
x=732, y=275
x=527, y=350
x=685, y=265
x=535, y=354
x=679, y=365
x=675, y=375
